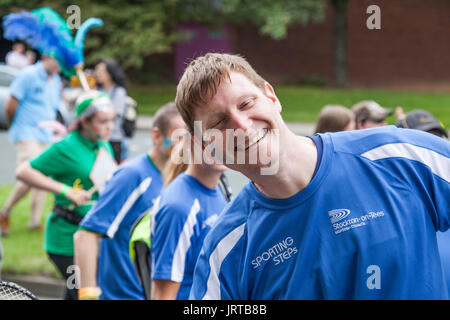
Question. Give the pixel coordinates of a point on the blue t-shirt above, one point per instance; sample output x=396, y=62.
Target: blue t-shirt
x=319, y=146
x=443, y=239
x=130, y=192
x=39, y=100
x=364, y=228
x=182, y=217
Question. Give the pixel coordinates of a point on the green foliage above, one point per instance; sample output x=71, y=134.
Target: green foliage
x=131, y=31
x=274, y=17
x=134, y=30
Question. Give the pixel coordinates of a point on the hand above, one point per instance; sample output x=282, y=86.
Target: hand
x=78, y=196
x=399, y=113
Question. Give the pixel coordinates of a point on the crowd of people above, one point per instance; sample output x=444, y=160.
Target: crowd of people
x=284, y=236
x=18, y=57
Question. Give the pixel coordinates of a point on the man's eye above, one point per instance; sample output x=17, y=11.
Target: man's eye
x=247, y=103
x=220, y=122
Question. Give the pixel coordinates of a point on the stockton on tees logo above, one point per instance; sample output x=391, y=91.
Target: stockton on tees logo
x=338, y=214
x=352, y=222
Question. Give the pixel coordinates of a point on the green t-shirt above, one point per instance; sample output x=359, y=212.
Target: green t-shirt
x=68, y=161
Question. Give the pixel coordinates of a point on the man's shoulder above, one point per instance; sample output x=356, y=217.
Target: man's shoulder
x=26, y=73
x=132, y=176
x=177, y=196
x=138, y=166
x=361, y=141
x=231, y=223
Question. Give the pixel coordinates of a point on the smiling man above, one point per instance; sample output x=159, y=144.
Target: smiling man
x=350, y=215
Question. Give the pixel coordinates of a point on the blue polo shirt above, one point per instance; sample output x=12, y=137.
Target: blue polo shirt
x=130, y=192
x=39, y=100
x=185, y=212
x=364, y=228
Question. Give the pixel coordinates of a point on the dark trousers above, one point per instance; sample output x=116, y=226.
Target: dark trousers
x=62, y=263
x=117, y=149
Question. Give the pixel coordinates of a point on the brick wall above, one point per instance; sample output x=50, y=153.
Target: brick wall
x=411, y=51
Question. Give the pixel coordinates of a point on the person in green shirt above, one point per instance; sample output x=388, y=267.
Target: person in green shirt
x=64, y=169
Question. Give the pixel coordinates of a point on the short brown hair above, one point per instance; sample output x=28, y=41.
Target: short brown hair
x=333, y=118
x=203, y=76
x=163, y=116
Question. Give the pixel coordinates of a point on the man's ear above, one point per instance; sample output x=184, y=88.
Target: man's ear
x=157, y=137
x=270, y=93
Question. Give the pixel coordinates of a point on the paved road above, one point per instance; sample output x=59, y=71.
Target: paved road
x=141, y=142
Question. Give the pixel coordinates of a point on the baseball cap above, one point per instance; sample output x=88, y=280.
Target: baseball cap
x=421, y=120
x=370, y=110
x=90, y=102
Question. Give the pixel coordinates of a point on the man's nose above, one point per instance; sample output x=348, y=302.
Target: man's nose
x=240, y=120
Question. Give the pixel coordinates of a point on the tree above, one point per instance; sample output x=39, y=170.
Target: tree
x=274, y=17
x=140, y=28
x=340, y=40
x=130, y=33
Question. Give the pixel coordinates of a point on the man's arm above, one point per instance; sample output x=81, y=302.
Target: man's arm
x=164, y=289
x=11, y=107
x=86, y=257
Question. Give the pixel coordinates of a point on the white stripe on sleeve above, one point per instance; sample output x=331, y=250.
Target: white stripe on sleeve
x=184, y=243
x=155, y=209
x=438, y=163
x=134, y=196
x=215, y=262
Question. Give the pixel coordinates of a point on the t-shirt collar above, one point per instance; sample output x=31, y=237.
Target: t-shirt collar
x=90, y=144
x=41, y=71
x=302, y=195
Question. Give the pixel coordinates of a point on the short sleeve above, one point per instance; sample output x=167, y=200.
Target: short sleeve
x=168, y=226
x=20, y=85
x=50, y=162
x=118, y=100
x=121, y=192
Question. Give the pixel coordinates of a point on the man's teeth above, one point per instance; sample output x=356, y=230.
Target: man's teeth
x=256, y=138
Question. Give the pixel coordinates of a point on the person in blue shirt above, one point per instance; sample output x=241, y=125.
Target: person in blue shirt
x=130, y=192
x=187, y=208
x=425, y=121
x=347, y=215
x=35, y=97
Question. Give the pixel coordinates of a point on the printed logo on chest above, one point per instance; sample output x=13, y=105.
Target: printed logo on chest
x=279, y=253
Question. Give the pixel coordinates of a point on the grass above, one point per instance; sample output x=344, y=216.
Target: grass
x=23, y=250
x=303, y=104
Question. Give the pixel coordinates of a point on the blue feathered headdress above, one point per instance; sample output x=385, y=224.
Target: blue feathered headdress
x=47, y=32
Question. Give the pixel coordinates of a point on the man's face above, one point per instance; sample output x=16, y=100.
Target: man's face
x=165, y=143
x=371, y=124
x=240, y=122
x=51, y=66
